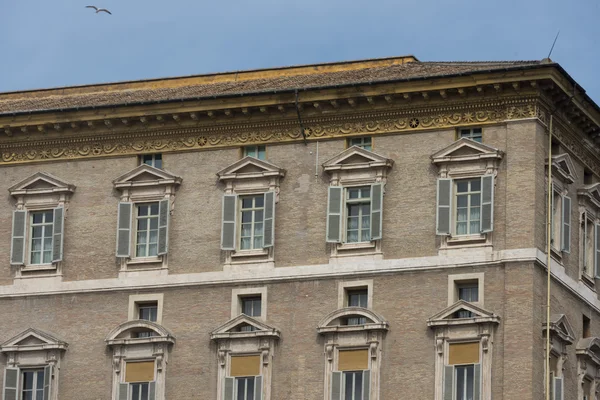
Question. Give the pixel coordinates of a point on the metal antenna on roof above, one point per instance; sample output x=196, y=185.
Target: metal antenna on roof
x=552, y=48
x=300, y=118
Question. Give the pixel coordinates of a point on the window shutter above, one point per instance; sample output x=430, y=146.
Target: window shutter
x=228, y=222
x=366, y=394
x=47, y=382
x=597, y=250
x=448, y=382
x=17, y=248
x=164, y=208
x=558, y=389
x=336, y=385
x=444, y=206
x=566, y=225
x=123, y=391
x=124, y=229
x=58, y=237
x=258, y=384
x=376, y=211
x=334, y=214
x=487, y=203
x=228, y=391
x=269, y=222
x=477, y=382
x=551, y=385
x=152, y=390
x=11, y=383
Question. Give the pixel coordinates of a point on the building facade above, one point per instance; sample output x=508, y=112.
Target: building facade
x=370, y=230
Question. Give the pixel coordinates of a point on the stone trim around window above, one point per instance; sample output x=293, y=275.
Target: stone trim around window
x=238, y=294
x=562, y=335
x=128, y=348
x=344, y=286
x=449, y=330
x=34, y=348
x=462, y=160
x=136, y=299
x=457, y=279
x=356, y=167
x=250, y=176
x=588, y=367
x=145, y=184
x=588, y=198
x=40, y=192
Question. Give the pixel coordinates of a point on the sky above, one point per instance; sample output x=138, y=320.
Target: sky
x=50, y=43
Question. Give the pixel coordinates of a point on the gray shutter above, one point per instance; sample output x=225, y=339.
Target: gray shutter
x=11, y=383
x=444, y=207
x=335, y=203
x=566, y=226
x=551, y=385
x=376, y=211
x=558, y=388
x=228, y=391
x=336, y=385
x=164, y=208
x=448, y=382
x=123, y=391
x=17, y=247
x=47, y=382
x=487, y=203
x=477, y=382
x=228, y=220
x=258, y=387
x=269, y=227
x=58, y=237
x=366, y=394
x=124, y=229
x=597, y=249
x=152, y=390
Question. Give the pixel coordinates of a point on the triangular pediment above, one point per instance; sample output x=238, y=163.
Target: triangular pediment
x=560, y=326
x=354, y=157
x=590, y=347
x=562, y=164
x=466, y=150
x=591, y=192
x=233, y=328
x=250, y=167
x=462, y=312
x=41, y=183
x=146, y=174
x=33, y=339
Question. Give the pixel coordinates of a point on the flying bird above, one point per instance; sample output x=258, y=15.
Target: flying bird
x=99, y=9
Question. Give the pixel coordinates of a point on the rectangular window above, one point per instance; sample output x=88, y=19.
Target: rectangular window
x=358, y=214
x=148, y=311
x=153, y=160
x=465, y=381
x=467, y=292
x=146, y=230
x=468, y=206
x=251, y=306
x=556, y=219
x=470, y=133
x=587, y=230
x=139, y=391
x=41, y=237
x=357, y=298
x=252, y=218
x=244, y=388
x=353, y=385
x=32, y=384
x=362, y=142
x=259, y=152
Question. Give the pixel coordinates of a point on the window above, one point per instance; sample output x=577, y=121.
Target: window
x=146, y=244
x=352, y=378
x=139, y=380
x=358, y=214
x=465, y=382
x=249, y=301
x=468, y=206
x=148, y=311
x=353, y=385
x=362, y=142
x=139, y=391
x=467, y=287
x=41, y=223
x=586, y=327
x=357, y=298
x=464, y=370
x=32, y=384
x=467, y=292
x=245, y=380
x=252, y=219
x=470, y=133
x=244, y=388
x=588, y=245
x=259, y=152
x=147, y=307
x=153, y=160
x=251, y=306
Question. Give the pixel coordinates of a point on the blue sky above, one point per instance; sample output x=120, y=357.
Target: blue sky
x=49, y=43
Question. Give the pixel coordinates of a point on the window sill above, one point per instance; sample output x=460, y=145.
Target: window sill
x=145, y=260
x=38, y=267
x=249, y=253
x=356, y=246
x=467, y=239
x=556, y=253
x=588, y=280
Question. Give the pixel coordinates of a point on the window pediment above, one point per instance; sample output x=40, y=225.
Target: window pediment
x=563, y=166
x=33, y=340
x=145, y=175
x=590, y=193
x=447, y=317
x=560, y=326
x=250, y=168
x=465, y=150
x=231, y=329
x=590, y=348
x=123, y=334
x=41, y=183
x=333, y=321
x=355, y=158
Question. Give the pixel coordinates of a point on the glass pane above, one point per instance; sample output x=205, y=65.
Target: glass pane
x=144, y=391
x=352, y=236
x=258, y=229
x=49, y=216
x=40, y=395
x=48, y=231
x=152, y=250
x=462, y=186
x=365, y=236
x=37, y=232
x=461, y=228
x=142, y=224
x=246, y=243
x=353, y=193
x=461, y=214
x=47, y=257
x=258, y=242
x=37, y=217
x=153, y=237
x=353, y=210
x=154, y=208
x=348, y=385
x=460, y=383
x=141, y=237
x=36, y=244
x=27, y=395
x=476, y=185
x=352, y=223
x=366, y=209
x=250, y=386
x=246, y=216
x=48, y=244
x=247, y=202
x=36, y=258
x=241, y=388
x=142, y=210
x=258, y=216
x=135, y=391
x=140, y=250
x=474, y=227
x=462, y=201
x=154, y=223
x=261, y=153
x=246, y=230
x=358, y=386
x=366, y=222
x=259, y=201
x=28, y=380
x=40, y=380
x=366, y=193
x=470, y=375
x=257, y=308
x=475, y=200
x=475, y=213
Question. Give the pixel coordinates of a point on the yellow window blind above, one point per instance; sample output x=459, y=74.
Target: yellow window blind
x=245, y=366
x=139, y=371
x=353, y=360
x=463, y=353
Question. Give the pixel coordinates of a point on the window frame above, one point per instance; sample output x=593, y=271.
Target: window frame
x=22, y=389
x=257, y=150
x=361, y=201
x=239, y=217
x=134, y=230
x=238, y=294
x=456, y=280
x=136, y=299
x=471, y=133
x=469, y=193
x=29, y=238
x=153, y=161
x=345, y=286
x=362, y=144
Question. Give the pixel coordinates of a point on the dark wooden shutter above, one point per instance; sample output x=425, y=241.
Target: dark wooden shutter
x=124, y=229
x=487, y=203
x=17, y=247
x=336, y=385
x=366, y=384
x=258, y=388
x=376, y=211
x=228, y=222
x=228, y=386
x=269, y=227
x=58, y=236
x=11, y=383
x=444, y=207
x=47, y=382
x=164, y=209
x=448, y=382
x=566, y=226
x=335, y=203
